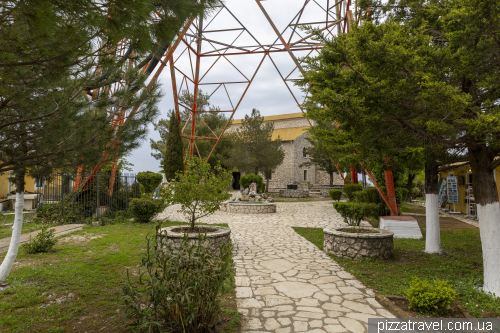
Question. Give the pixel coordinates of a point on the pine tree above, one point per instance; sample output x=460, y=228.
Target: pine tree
x=253, y=149
x=173, y=160
x=52, y=54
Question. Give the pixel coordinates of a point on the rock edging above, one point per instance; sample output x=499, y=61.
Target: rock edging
x=214, y=239
x=359, y=245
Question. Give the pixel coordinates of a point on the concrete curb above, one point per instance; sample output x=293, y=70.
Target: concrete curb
x=392, y=307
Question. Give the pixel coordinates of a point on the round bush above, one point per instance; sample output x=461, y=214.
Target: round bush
x=335, y=194
x=353, y=212
x=371, y=195
x=350, y=189
x=150, y=180
x=430, y=298
x=246, y=180
x=144, y=209
x=415, y=192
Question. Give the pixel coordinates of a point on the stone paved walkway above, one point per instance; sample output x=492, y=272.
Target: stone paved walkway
x=60, y=230
x=285, y=284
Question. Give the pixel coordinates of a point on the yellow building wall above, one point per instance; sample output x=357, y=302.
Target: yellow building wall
x=4, y=184
x=462, y=205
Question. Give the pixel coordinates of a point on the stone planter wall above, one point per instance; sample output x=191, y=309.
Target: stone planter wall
x=294, y=193
x=357, y=246
x=237, y=208
x=220, y=235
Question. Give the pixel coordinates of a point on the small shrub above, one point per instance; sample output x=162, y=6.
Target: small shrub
x=335, y=194
x=144, y=209
x=353, y=212
x=430, y=298
x=246, y=180
x=371, y=195
x=401, y=195
x=179, y=289
x=415, y=192
x=350, y=189
x=200, y=190
x=150, y=180
x=43, y=241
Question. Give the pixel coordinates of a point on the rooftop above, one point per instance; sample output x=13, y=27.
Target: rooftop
x=289, y=134
x=277, y=117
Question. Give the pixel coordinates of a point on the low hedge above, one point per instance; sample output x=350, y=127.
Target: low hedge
x=246, y=180
x=144, y=209
x=350, y=189
x=335, y=194
x=353, y=212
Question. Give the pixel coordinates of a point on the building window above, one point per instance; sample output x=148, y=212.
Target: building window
x=305, y=174
x=304, y=153
x=39, y=182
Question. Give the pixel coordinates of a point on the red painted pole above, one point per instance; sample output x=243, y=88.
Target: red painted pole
x=391, y=193
x=354, y=176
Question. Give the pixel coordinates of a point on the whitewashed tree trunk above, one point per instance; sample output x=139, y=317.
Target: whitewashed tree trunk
x=432, y=228
x=489, y=221
x=10, y=258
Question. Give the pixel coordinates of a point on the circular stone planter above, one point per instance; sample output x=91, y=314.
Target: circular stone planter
x=248, y=207
x=216, y=237
x=359, y=245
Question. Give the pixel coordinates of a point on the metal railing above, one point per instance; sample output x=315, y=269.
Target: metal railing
x=57, y=192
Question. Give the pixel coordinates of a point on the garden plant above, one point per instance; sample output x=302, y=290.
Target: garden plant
x=179, y=289
x=200, y=190
x=353, y=212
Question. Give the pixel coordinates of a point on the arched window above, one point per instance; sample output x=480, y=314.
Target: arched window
x=304, y=153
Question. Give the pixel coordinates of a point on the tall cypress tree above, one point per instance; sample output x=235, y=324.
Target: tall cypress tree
x=173, y=160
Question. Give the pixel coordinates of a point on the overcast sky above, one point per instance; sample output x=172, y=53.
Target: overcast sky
x=267, y=93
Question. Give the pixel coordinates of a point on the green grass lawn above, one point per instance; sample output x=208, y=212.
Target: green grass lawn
x=6, y=230
x=412, y=208
x=461, y=264
x=92, y=265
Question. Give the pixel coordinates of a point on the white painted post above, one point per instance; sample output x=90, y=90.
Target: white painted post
x=432, y=232
x=11, y=256
x=489, y=229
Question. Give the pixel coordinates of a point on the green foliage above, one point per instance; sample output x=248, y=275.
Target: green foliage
x=150, y=180
x=144, y=209
x=179, y=287
x=350, y=189
x=415, y=192
x=43, y=241
x=253, y=149
x=214, y=122
x=200, y=190
x=401, y=195
x=430, y=298
x=173, y=160
x=335, y=194
x=353, y=212
x=246, y=180
x=371, y=195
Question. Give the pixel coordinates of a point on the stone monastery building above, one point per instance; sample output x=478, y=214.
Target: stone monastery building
x=292, y=130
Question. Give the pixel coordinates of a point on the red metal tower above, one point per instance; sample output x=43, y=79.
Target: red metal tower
x=221, y=39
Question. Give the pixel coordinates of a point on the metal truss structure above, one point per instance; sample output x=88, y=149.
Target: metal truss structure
x=221, y=43
x=222, y=39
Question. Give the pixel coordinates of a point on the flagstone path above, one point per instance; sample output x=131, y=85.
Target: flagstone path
x=285, y=284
